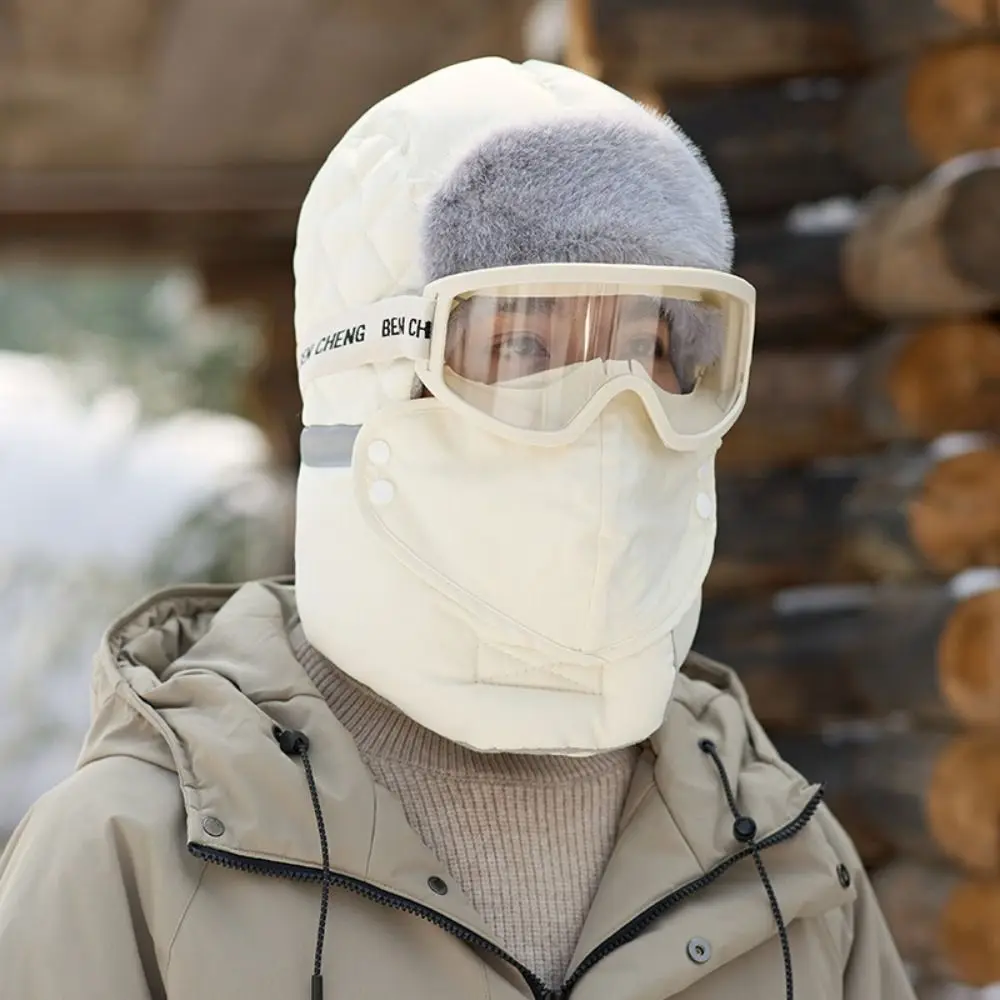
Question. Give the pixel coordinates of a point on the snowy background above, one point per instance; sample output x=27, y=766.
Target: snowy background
x=112, y=484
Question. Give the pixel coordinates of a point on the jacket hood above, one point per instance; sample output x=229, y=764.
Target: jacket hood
x=194, y=680
x=187, y=689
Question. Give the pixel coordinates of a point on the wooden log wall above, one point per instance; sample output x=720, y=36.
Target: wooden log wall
x=906, y=513
x=910, y=382
x=776, y=144
x=856, y=584
x=932, y=251
x=933, y=796
x=943, y=921
x=829, y=653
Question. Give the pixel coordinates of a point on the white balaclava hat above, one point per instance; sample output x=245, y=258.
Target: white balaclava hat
x=508, y=597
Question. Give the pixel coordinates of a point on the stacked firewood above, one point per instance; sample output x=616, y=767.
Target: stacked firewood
x=856, y=586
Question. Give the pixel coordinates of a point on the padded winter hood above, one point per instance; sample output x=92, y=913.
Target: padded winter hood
x=484, y=164
x=508, y=597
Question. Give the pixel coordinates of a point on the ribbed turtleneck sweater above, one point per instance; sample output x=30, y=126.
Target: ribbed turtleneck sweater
x=526, y=836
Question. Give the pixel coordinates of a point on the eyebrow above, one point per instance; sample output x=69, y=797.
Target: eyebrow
x=633, y=307
x=511, y=304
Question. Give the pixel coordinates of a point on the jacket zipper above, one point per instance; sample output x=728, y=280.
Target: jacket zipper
x=539, y=990
x=638, y=924
x=278, y=869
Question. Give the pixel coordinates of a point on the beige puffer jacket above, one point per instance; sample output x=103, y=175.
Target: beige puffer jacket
x=143, y=875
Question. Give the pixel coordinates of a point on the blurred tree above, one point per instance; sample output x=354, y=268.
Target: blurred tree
x=141, y=328
x=212, y=512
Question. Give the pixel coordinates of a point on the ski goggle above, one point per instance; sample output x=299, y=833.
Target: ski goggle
x=535, y=352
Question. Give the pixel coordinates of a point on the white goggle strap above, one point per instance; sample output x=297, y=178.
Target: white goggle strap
x=381, y=332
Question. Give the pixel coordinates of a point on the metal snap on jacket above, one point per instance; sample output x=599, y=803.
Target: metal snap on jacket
x=438, y=885
x=699, y=950
x=843, y=876
x=381, y=492
x=213, y=827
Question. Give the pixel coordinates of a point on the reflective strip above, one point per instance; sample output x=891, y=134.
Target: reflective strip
x=393, y=328
x=328, y=447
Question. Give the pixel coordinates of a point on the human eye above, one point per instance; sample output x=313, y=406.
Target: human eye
x=643, y=347
x=520, y=345
x=645, y=337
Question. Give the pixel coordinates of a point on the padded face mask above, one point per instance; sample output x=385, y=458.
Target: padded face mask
x=527, y=597
x=506, y=503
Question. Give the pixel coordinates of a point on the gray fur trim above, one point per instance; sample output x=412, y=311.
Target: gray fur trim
x=585, y=191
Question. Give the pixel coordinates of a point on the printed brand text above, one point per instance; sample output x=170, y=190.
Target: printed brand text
x=410, y=326
x=333, y=341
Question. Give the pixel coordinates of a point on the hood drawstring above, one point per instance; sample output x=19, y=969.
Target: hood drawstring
x=296, y=744
x=745, y=831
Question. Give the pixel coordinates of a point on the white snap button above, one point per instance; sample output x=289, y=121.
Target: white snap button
x=704, y=472
x=703, y=504
x=213, y=827
x=381, y=491
x=379, y=452
x=699, y=951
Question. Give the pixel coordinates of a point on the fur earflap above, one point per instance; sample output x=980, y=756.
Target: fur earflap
x=631, y=191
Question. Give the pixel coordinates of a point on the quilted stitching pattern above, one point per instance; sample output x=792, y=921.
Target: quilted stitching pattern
x=359, y=231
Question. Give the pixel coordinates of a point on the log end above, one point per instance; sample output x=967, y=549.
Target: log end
x=953, y=101
x=970, y=230
x=971, y=13
x=969, y=935
x=934, y=250
x=969, y=660
x=946, y=377
x=963, y=801
x=954, y=520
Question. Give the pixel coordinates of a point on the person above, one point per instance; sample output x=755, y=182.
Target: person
x=468, y=752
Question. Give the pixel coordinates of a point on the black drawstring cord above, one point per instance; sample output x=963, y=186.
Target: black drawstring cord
x=745, y=830
x=296, y=744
